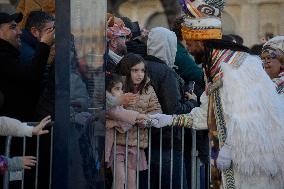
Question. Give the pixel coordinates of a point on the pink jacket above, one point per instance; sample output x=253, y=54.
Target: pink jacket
x=120, y=119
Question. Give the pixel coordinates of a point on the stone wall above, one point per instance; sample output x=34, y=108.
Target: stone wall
x=251, y=19
x=5, y=6
x=255, y=18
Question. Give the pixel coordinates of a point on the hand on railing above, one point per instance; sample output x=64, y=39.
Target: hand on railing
x=141, y=120
x=19, y=163
x=29, y=162
x=38, y=130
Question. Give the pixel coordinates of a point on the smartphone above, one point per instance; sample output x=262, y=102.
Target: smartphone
x=189, y=87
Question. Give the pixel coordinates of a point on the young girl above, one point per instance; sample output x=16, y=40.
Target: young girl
x=137, y=82
x=118, y=119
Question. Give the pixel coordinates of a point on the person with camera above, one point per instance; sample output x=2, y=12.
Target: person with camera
x=168, y=85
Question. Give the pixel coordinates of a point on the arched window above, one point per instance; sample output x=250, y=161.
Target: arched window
x=228, y=24
x=157, y=19
x=268, y=28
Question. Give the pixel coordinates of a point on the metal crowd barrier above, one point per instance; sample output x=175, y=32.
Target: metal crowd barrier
x=195, y=161
x=7, y=176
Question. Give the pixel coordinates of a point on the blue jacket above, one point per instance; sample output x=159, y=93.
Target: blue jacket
x=28, y=47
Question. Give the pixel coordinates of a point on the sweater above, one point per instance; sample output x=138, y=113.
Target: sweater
x=10, y=126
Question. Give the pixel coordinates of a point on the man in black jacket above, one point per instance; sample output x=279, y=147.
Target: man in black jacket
x=17, y=79
x=20, y=83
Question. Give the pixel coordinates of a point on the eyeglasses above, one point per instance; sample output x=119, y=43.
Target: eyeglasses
x=269, y=57
x=13, y=26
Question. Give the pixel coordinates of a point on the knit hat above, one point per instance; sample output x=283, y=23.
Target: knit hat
x=275, y=47
x=202, y=20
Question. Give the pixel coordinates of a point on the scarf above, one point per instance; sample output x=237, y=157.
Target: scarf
x=115, y=57
x=279, y=81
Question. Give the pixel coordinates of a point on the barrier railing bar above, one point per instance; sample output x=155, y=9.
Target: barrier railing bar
x=161, y=154
x=138, y=158
x=37, y=164
x=172, y=156
x=51, y=156
x=193, y=159
x=149, y=158
x=114, y=159
x=198, y=173
x=182, y=158
x=24, y=153
x=126, y=162
x=7, y=154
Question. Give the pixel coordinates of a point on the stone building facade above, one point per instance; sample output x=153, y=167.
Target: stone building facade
x=251, y=19
x=6, y=6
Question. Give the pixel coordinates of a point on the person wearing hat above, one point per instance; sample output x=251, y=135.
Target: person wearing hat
x=116, y=35
x=240, y=104
x=273, y=59
x=16, y=78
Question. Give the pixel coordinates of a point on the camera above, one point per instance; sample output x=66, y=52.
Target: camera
x=189, y=87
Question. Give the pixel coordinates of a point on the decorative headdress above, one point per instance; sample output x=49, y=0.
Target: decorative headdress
x=202, y=20
x=116, y=27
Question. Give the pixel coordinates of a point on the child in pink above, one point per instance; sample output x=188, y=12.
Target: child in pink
x=123, y=121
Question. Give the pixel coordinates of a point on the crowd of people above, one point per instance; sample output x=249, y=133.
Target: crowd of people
x=26, y=60
x=238, y=97
x=161, y=80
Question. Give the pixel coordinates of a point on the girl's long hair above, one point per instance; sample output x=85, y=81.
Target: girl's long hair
x=124, y=68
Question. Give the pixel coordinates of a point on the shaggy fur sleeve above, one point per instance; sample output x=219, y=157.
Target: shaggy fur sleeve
x=253, y=113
